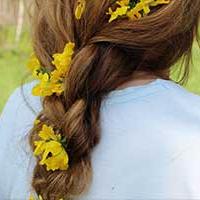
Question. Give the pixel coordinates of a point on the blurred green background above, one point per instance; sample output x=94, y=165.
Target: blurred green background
x=15, y=48
x=13, y=58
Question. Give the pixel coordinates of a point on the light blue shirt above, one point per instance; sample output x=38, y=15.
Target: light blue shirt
x=149, y=147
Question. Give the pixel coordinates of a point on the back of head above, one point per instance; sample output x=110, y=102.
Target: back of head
x=106, y=55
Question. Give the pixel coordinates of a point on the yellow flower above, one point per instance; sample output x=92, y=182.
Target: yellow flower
x=50, y=146
x=134, y=12
x=47, y=87
x=119, y=12
x=123, y=2
x=80, y=9
x=39, y=147
x=63, y=60
x=44, y=88
x=47, y=133
x=144, y=5
x=157, y=2
x=51, y=82
x=58, y=159
x=57, y=76
x=34, y=65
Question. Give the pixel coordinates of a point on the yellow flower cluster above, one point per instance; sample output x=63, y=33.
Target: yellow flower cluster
x=51, y=82
x=132, y=8
x=51, y=146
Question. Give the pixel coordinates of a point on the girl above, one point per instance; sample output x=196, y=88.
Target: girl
x=111, y=123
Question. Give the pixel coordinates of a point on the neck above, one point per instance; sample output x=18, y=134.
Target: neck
x=139, y=78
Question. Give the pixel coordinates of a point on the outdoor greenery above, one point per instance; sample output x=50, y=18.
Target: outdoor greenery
x=193, y=84
x=13, y=59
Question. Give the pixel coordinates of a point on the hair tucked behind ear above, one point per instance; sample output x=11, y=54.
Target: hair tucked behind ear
x=106, y=55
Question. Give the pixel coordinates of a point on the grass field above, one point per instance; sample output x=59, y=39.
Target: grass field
x=13, y=59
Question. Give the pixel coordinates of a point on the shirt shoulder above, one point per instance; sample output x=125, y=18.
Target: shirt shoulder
x=181, y=97
x=20, y=107
x=19, y=113
x=16, y=121
x=160, y=91
x=162, y=100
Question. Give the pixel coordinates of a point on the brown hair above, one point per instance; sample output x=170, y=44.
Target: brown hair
x=106, y=55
